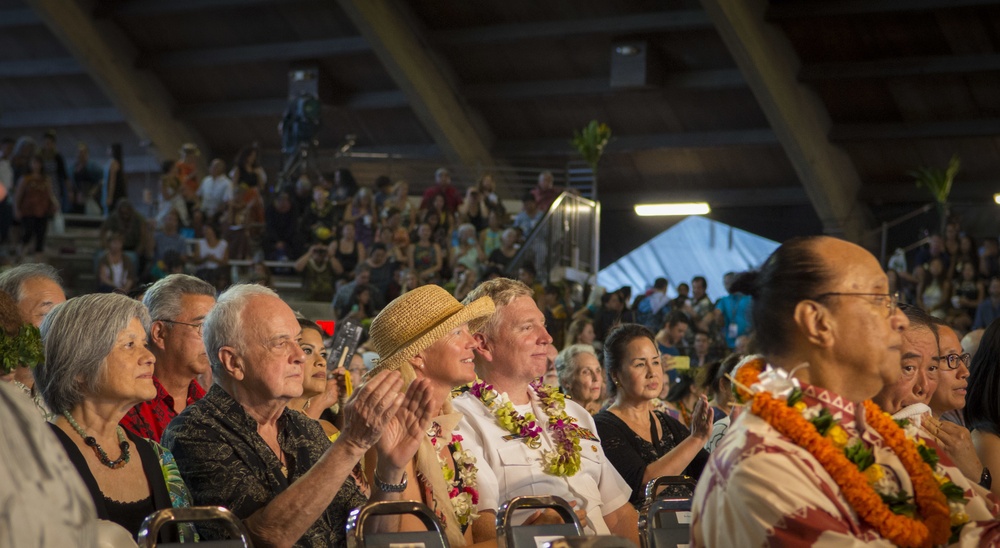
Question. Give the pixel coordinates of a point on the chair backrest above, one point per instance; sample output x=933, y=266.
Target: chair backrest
x=433, y=537
x=510, y=535
x=152, y=524
x=602, y=541
x=666, y=524
x=672, y=487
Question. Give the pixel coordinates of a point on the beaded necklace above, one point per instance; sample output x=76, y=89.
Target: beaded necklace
x=101, y=454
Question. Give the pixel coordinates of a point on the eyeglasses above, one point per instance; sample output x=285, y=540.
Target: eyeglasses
x=891, y=302
x=952, y=360
x=196, y=326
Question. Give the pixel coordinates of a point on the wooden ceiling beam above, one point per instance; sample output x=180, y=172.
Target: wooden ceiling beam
x=18, y=17
x=665, y=21
x=34, y=68
x=902, y=67
x=146, y=8
x=425, y=80
x=624, y=144
x=825, y=8
x=688, y=80
x=798, y=117
x=258, y=53
x=108, y=57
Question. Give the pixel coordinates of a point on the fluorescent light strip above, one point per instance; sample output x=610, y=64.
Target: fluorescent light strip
x=653, y=210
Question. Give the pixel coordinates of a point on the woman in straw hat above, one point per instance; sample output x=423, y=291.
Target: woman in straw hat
x=425, y=334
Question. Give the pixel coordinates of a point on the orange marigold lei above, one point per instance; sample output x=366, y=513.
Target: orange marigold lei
x=933, y=527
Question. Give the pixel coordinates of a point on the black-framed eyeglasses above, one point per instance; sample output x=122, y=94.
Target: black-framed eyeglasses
x=890, y=301
x=196, y=326
x=951, y=361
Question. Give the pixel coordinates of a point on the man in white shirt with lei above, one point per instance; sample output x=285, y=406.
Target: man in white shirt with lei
x=508, y=413
x=812, y=461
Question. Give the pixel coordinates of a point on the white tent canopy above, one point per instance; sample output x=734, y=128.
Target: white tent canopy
x=696, y=246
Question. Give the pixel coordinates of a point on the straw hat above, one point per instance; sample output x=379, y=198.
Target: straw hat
x=415, y=320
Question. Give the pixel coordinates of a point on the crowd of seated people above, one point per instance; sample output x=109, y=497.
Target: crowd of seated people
x=469, y=403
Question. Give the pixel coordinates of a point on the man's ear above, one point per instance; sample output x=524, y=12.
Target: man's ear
x=232, y=363
x=485, y=348
x=815, y=322
x=156, y=333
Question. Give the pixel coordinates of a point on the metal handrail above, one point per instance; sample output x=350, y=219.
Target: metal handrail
x=152, y=524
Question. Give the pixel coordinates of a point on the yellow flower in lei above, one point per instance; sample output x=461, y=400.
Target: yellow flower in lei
x=838, y=436
x=565, y=460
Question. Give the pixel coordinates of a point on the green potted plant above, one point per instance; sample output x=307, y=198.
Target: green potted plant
x=590, y=143
x=939, y=182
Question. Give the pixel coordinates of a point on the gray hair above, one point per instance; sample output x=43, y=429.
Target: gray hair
x=78, y=335
x=502, y=291
x=163, y=298
x=224, y=324
x=566, y=362
x=466, y=227
x=12, y=281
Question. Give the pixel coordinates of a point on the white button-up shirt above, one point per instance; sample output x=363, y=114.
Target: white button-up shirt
x=517, y=469
x=215, y=192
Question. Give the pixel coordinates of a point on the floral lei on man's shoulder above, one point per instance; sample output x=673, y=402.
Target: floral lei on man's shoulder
x=936, y=512
x=565, y=459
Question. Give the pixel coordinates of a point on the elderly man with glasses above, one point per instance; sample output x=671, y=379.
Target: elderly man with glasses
x=178, y=305
x=812, y=461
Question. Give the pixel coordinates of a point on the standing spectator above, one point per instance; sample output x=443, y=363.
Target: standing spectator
x=383, y=269
x=115, y=271
x=383, y=189
x=344, y=186
x=652, y=307
x=487, y=189
x=363, y=214
x=86, y=182
x=347, y=252
x=682, y=300
x=702, y=353
x=426, y=257
x=701, y=309
x=989, y=309
x=7, y=182
x=528, y=217
x=212, y=257
x=168, y=238
x=473, y=209
x=113, y=185
x=400, y=199
x=670, y=339
x=319, y=271
x=20, y=159
x=442, y=187
x=247, y=170
x=280, y=242
x=545, y=193
x=732, y=313
x=187, y=173
x=215, y=192
x=612, y=313
x=34, y=203
x=55, y=166
x=171, y=199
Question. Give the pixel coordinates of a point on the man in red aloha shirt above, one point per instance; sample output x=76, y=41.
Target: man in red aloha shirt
x=178, y=305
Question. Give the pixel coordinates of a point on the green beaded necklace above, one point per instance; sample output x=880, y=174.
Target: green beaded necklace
x=101, y=454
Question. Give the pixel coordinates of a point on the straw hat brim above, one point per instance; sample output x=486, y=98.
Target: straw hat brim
x=480, y=308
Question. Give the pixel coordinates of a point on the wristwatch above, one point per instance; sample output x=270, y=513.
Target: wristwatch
x=390, y=487
x=986, y=480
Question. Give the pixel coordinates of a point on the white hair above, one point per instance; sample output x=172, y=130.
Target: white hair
x=224, y=324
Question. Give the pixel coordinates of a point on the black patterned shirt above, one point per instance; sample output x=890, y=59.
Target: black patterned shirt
x=225, y=462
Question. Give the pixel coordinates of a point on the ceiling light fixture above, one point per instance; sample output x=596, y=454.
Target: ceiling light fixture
x=653, y=210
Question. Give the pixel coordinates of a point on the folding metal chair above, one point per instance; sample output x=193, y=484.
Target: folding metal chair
x=151, y=527
x=666, y=523
x=528, y=536
x=433, y=537
x=673, y=487
x=603, y=541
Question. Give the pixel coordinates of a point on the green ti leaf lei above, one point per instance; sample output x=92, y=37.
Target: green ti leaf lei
x=23, y=350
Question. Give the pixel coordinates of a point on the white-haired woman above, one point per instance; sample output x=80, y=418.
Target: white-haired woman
x=96, y=368
x=581, y=376
x=424, y=334
x=468, y=252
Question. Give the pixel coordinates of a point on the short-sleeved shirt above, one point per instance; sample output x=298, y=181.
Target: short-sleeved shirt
x=225, y=462
x=150, y=418
x=515, y=469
